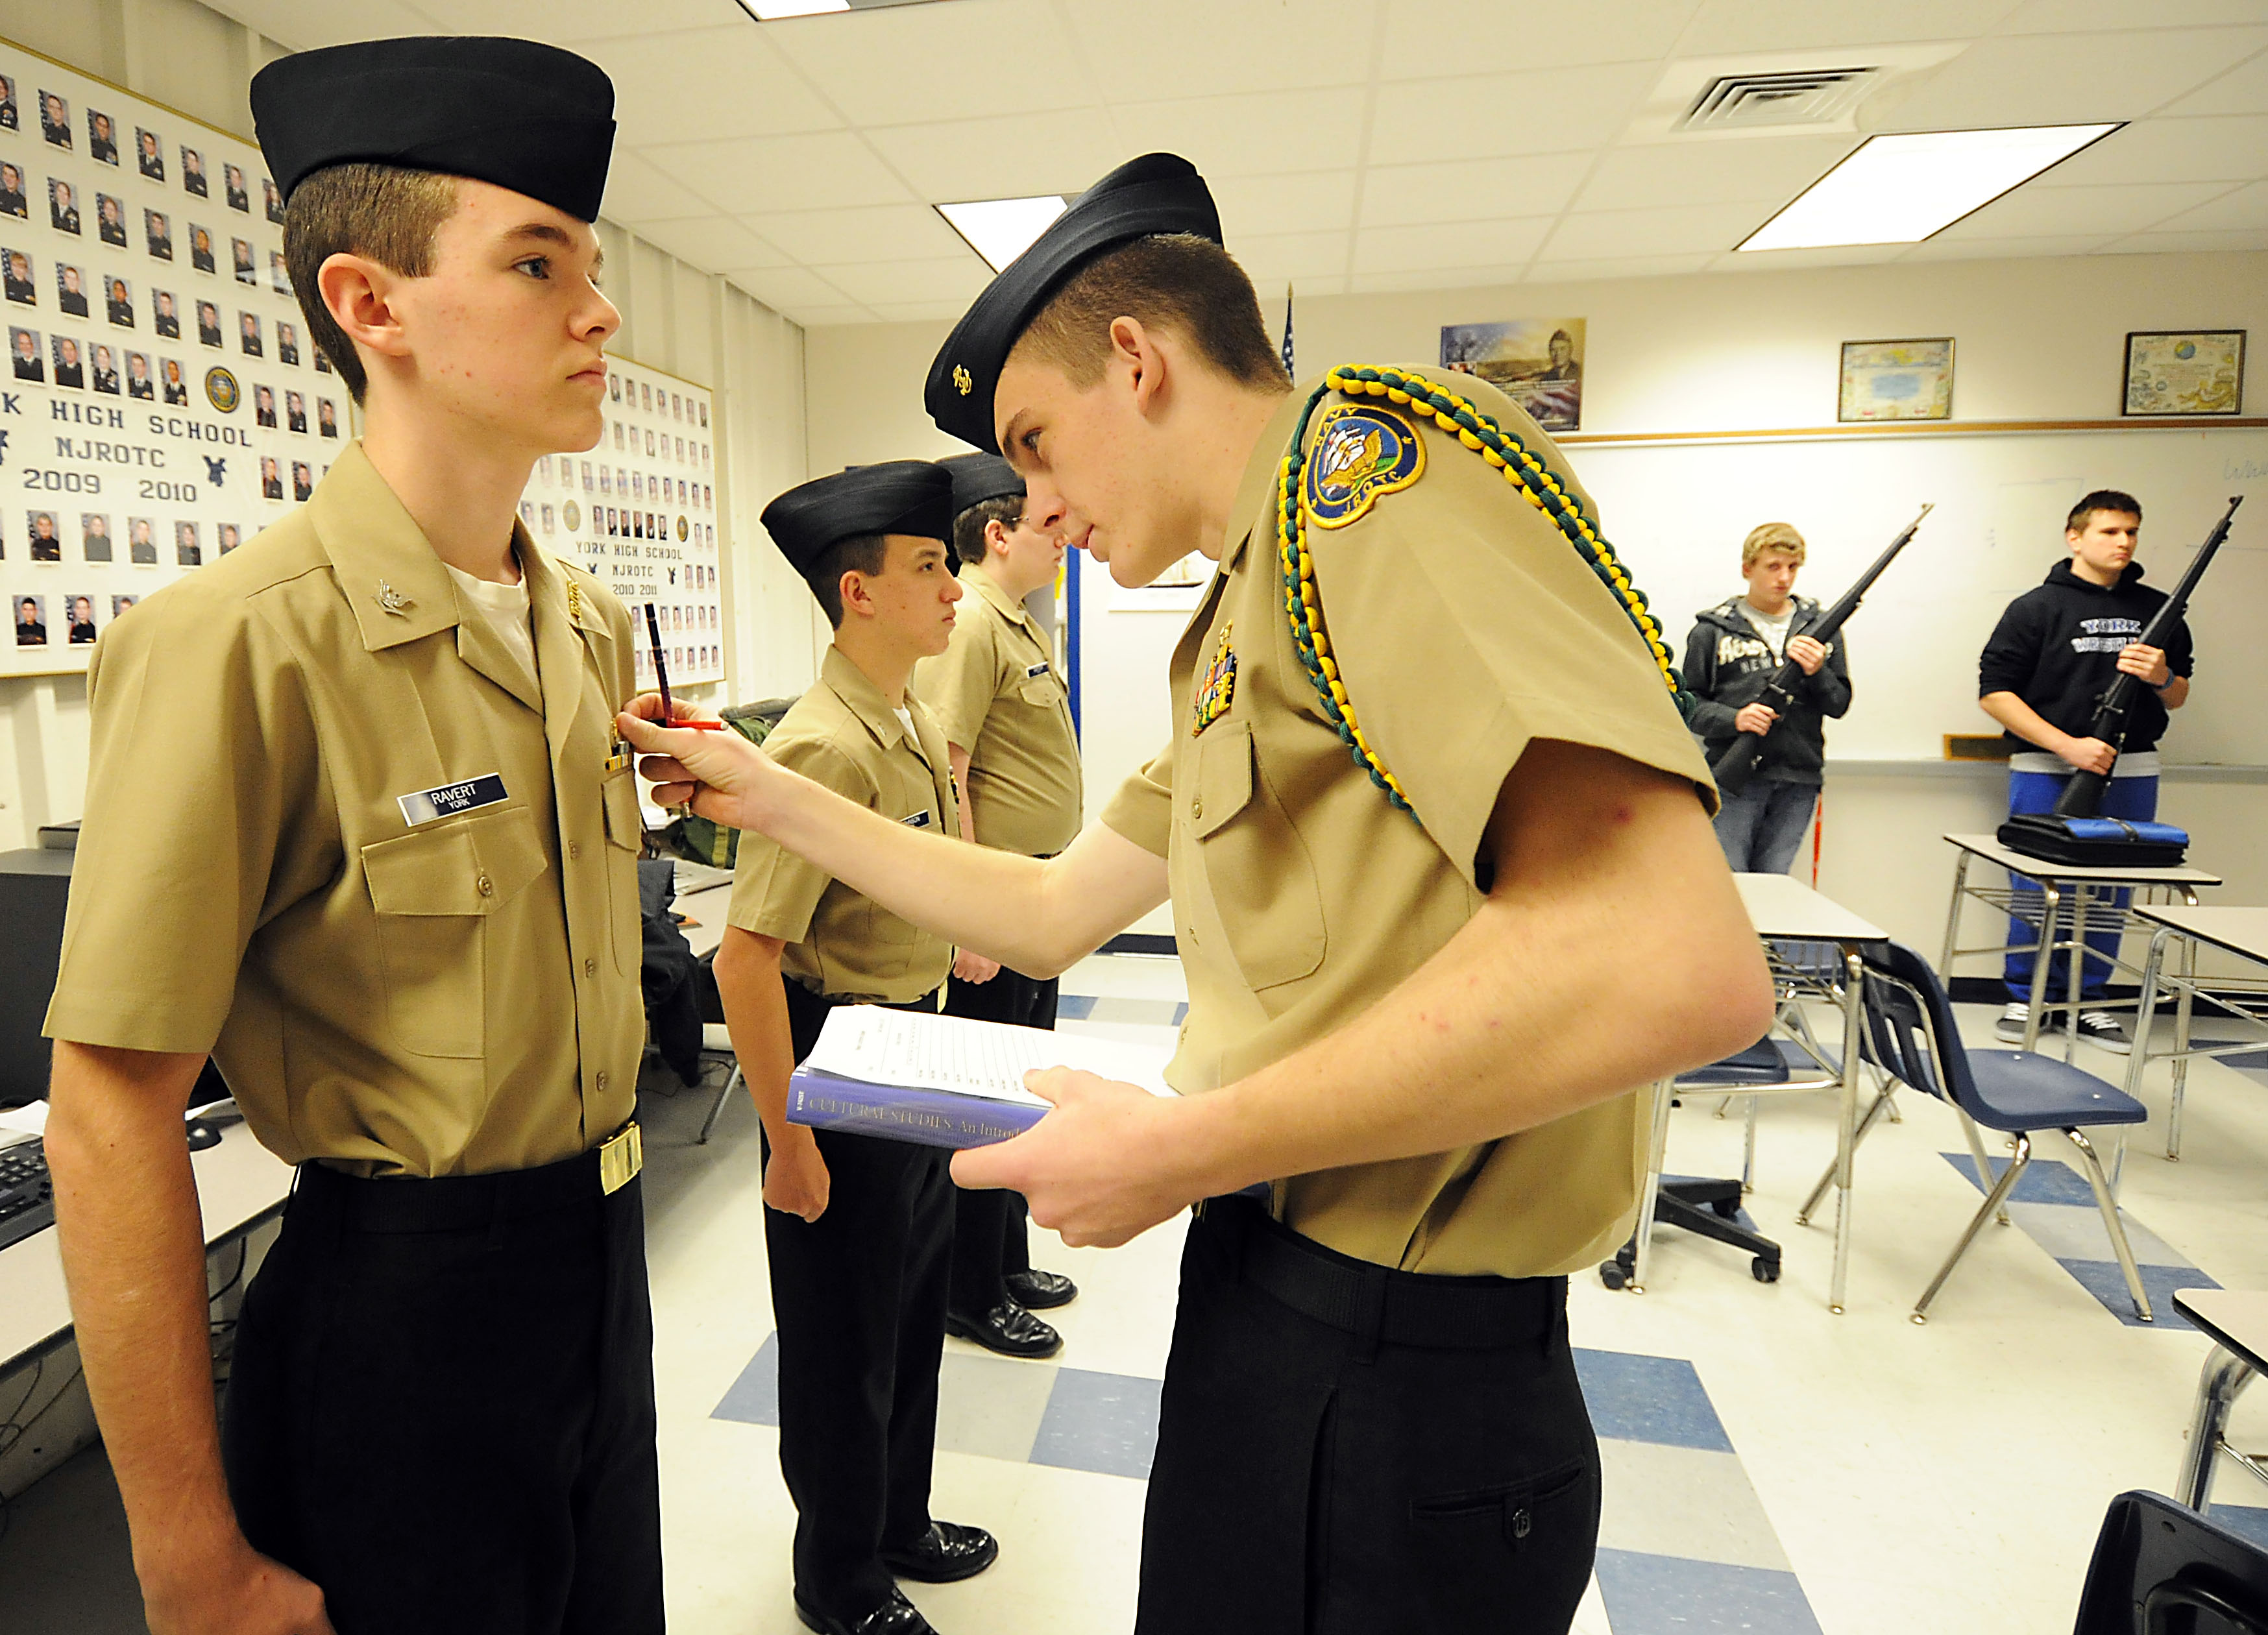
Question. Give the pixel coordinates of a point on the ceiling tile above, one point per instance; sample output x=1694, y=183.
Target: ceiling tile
x=1252, y=205
x=640, y=191
x=2069, y=78
x=1262, y=134
x=1465, y=189
x=1269, y=259
x=2243, y=90
x=2169, y=150
x=2049, y=212
x=296, y=24
x=1625, y=267
x=573, y=21
x=1014, y=157
x=1726, y=25
x=812, y=171
x=2242, y=208
x=959, y=278
x=1678, y=231
x=1438, y=278
x=2189, y=243
x=910, y=64
x=879, y=234
x=1784, y=260
x=782, y=287
x=815, y=315
x=1449, y=245
x=2067, y=16
x=1563, y=111
x=918, y=312
x=1711, y=172
x=710, y=83
x=710, y=242
x=1204, y=47
x=1942, y=248
x=1484, y=36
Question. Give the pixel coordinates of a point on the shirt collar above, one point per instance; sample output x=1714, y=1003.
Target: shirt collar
x=1009, y=609
x=391, y=579
x=865, y=700
x=1255, y=488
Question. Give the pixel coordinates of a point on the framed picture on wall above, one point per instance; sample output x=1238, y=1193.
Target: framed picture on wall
x=2183, y=372
x=1896, y=380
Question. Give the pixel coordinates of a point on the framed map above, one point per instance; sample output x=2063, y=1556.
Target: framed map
x=2183, y=372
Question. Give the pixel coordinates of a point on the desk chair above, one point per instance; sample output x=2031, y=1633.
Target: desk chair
x=1909, y=1033
x=2160, y=1568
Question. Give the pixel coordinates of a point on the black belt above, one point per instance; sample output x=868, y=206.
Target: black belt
x=462, y=1202
x=1377, y=1304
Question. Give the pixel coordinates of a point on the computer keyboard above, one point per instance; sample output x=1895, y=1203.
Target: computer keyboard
x=27, y=1198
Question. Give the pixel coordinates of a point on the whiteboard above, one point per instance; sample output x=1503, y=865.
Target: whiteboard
x=1677, y=512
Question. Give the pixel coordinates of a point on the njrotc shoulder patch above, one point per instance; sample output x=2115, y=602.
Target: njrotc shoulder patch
x=1361, y=452
x=1220, y=685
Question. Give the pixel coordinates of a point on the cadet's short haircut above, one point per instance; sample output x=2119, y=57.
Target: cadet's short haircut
x=1175, y=281
x=2101, y=499
x=968, y=528
x=1779, y=536
x=858, y=553
x=383, y=211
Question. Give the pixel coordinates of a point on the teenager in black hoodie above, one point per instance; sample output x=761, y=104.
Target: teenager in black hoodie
x=2052, y=656
x=1736, y=649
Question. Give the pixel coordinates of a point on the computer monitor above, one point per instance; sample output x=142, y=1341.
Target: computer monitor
x=33, y=888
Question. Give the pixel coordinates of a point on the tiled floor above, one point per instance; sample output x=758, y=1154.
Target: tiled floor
x=1769, y=1467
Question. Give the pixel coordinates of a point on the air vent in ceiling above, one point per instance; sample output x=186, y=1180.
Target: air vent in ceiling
x=1747, y=101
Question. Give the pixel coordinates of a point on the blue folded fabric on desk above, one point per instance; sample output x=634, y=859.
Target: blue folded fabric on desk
x=2096, y=842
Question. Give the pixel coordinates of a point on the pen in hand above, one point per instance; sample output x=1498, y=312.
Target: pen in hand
x=661, y=678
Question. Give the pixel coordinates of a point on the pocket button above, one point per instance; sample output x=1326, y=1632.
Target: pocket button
x=487, y=886
x=1522, y=1523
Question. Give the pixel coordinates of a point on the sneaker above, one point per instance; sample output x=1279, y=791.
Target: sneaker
x=2104, y=1031
x=2013, y=1021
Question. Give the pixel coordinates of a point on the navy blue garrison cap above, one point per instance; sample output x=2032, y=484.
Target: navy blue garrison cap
x=897, y=497
x=979, y=477
x=526, y=116
x=1157, y=193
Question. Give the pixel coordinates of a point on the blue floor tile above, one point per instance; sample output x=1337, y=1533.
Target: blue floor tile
x=2248, y=1061
x=1074, y=1008
x=1101, y=1422
x=1669, y=1596
x=2046, y=1180
x=753, y=1398
x=2102, y=1279
x=1649, y=1399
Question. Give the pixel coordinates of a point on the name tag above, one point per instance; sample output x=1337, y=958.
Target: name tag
x=450, y=798
x=920, y=819
x=1036, y=670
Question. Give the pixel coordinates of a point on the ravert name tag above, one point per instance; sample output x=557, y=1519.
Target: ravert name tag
x=919, y=820
x=1035, y=672
x=449, y=799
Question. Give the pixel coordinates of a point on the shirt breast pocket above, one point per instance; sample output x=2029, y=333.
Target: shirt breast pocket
x=1259, y=870
x=625, y=840
x=432, y=892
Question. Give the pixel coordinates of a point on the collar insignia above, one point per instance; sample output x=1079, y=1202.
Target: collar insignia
x=961, y=381
x=1219, y=686
x=575, y=601
x=393, y=602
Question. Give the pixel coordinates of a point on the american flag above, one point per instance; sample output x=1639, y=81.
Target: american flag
x=1288, y=369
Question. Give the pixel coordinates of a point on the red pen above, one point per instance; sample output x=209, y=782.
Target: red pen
x=661, y=676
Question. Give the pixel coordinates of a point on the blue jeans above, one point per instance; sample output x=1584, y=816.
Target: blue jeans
x=2130, y=798
x=1761, y=827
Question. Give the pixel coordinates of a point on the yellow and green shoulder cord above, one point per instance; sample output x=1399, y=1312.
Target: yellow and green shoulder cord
x=1530, y=478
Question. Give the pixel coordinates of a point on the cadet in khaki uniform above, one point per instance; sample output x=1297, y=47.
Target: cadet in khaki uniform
x=359, y=825
x=1438, y=851
x=859, y=1229
x=1006, y=719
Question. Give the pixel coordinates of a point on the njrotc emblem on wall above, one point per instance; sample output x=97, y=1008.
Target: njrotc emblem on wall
x=221, y=390
x=1218, y=688
x=1361, y=452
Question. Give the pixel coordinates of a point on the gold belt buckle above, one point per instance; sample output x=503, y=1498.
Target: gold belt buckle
x=621, y=1158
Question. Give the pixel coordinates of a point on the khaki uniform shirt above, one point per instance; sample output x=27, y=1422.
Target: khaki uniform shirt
x=1464, y=625
x=448, y=997
x=995, y=692
x=843, y=734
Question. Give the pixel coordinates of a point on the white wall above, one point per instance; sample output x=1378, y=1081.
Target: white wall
x=674, y=316
x=2035, y=341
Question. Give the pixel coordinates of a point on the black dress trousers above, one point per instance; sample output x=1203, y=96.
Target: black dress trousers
x=859, y=1296
x=1346, y=1449
x=441, y=1407
x=989, y=1236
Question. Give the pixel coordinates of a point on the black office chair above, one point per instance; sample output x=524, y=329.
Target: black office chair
x=2160, y=1568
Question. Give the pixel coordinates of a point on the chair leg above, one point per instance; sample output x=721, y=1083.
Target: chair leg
x=1881, y=1105
x=2224, y=1375
x=723, y=1096
x=2109, y=1208
x=1748, y=1149
x=1994, y=1200
x=1642, y=1257
x=1976, y=1154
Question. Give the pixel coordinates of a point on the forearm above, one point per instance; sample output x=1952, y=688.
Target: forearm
x=755, y=1016
x=133, y=1250
x=2175, y=693
x=2025, y=722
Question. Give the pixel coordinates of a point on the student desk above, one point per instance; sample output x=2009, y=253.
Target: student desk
x=2241, y=931
x=2237, y=1323
x=239, y=1184
x=2055, y=881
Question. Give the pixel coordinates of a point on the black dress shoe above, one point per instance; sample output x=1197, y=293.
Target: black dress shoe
x=946, y=1554
x=1007, y=1329
x=897, y=1615
x=1040, y=1291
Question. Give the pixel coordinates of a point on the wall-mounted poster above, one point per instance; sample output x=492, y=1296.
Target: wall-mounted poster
x=1896, y=380
x=131, y=452
x=1536, y=362
x=640, y=511
x=2184, y=372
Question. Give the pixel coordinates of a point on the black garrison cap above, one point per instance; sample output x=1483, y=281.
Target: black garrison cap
x=897, y=497
x=979, y=477
x=526, y=116
x=1159, y=193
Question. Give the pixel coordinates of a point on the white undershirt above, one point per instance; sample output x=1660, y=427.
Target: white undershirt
x=906, y=720
x=1773, y=628
x=507, y=610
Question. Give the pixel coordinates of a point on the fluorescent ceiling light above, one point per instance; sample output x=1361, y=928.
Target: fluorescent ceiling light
x=772, y=10
x=1900, y=190
x=1000, y=230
